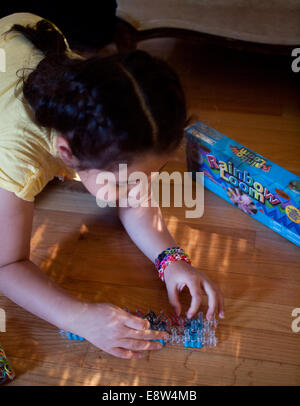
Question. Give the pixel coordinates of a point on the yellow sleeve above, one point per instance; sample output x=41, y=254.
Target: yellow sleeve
x=19, y=176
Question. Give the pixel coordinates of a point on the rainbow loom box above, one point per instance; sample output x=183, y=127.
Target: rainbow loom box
x=257, y=186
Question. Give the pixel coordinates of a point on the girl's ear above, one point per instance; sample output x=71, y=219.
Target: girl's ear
x=65, y=153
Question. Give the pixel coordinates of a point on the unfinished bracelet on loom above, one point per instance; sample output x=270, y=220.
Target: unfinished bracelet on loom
x=168, y=256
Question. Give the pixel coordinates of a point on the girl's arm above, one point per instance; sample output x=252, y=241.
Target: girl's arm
x=147, y=229
x=104, y=325
x=20, y=279
x=26, y=285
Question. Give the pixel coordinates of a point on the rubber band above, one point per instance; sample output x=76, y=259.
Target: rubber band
x=6, y=371
x=168, y=256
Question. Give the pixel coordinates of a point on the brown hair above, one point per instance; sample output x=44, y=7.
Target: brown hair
x=108, y=108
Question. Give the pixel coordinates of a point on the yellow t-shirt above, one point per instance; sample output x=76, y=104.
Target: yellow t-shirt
x=28, y=155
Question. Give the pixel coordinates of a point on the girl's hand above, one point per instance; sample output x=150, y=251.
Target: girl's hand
x=115, y=331
x=180, y=274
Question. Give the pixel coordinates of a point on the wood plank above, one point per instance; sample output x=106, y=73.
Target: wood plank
x=166, y=367
x=254, y=100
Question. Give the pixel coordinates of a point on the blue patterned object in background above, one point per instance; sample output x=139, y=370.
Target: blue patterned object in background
x=257, y=186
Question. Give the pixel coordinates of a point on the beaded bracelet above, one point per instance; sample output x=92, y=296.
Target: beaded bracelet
x=168, y=256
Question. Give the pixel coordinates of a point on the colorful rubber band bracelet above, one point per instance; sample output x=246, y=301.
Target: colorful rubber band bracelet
x=168, y=256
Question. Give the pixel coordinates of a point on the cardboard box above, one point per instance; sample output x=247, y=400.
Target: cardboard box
x=242, y=177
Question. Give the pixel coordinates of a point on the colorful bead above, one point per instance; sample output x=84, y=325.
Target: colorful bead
x=70, y=336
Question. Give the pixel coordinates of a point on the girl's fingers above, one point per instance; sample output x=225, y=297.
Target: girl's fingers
x=136, y=322
x=221, y=307
x=212, y=300
x=181, y=286
x=127, y=354
x=173, y=298
x=146, y=334
x=195, y=292
x=139, y=345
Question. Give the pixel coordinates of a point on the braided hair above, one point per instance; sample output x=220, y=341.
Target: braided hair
x=110, y=109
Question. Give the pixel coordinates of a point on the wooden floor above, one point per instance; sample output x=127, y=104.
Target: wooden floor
x=254, y=100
